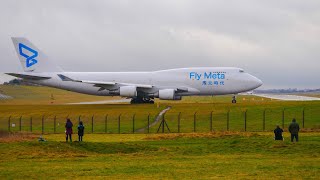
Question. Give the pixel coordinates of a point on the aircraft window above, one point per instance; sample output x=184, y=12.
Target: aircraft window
x=241, y=71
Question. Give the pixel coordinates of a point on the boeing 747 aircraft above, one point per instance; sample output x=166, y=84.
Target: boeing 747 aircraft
x=142, y=87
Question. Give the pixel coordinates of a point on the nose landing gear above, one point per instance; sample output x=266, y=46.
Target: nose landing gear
x=234, y=100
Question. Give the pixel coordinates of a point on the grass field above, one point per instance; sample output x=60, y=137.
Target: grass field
x=172, y=156
x=232, y=154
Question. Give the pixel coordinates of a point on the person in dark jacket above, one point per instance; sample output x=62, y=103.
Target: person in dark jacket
x=68, y=127
x=294, y=130
x=278, y=133
x=80, y=130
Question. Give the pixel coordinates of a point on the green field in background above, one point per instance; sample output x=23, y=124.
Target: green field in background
x=33, y=106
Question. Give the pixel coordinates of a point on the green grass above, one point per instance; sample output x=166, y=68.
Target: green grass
x=172, y=156
x=223, y=154
x=32, y=102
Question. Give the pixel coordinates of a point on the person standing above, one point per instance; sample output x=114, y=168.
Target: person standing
x=294, y=130
x=278, y=133
x=68, y=127
x=80, y=130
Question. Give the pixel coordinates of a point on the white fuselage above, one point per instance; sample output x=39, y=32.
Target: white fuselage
x=194, y=81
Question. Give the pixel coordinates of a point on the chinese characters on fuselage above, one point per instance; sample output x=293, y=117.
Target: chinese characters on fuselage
x=208, y=78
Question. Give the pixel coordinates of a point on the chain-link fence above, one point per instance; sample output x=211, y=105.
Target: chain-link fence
x=174, y=122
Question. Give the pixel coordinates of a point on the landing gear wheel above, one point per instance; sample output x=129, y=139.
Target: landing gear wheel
x=141, y=100
x=234, y=100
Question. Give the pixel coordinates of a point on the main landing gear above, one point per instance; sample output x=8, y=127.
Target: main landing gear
x=142, y=100
x=234, y=100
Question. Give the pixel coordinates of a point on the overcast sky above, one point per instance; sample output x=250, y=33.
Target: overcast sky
x=277, y=41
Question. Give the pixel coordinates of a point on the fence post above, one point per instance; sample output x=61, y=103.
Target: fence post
x=303, y=117
x=20, y=119
x=119, y=123
x=9, y=124
x=54, y=124
x=42, y=122
x=163, y=122
x=31, y=124
x=228, y=118
x=245, y=120
x=92, y=123
x=194, y=121
x=283, y=118
x=264, y=120
x=133, y=118
x=106, y=123
x=211, y=116
x=149, y=123
x=179, y=118
x=20, y=123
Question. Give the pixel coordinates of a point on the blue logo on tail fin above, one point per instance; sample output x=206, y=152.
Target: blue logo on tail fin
x=30, y=61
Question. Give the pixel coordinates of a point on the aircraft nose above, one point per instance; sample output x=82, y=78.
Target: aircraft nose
x=257, y=82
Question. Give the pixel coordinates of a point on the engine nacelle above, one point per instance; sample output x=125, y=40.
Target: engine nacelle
x=128, y=91
x=168, y=94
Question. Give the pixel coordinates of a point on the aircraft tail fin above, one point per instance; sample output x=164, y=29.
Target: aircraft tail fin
x=33, y=59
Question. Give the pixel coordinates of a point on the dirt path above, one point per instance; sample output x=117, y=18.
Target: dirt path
x=157, y=119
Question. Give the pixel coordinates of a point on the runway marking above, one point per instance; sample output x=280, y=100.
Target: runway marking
x=286, y=97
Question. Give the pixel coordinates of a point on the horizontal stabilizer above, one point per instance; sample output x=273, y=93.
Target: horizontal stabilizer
x=28, y=76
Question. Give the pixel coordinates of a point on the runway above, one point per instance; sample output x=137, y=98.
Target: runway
x=282, y=97
x=286, y=97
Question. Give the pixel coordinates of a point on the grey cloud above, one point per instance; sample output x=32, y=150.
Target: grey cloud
x=276, y=40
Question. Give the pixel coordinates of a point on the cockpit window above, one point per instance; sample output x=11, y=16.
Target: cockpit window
x=241, y=70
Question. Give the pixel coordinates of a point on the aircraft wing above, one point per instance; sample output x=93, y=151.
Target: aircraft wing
x=105, y=84
x=115, y=85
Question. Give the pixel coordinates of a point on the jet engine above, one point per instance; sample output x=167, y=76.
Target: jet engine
x=168, y=94
x=128, y=91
